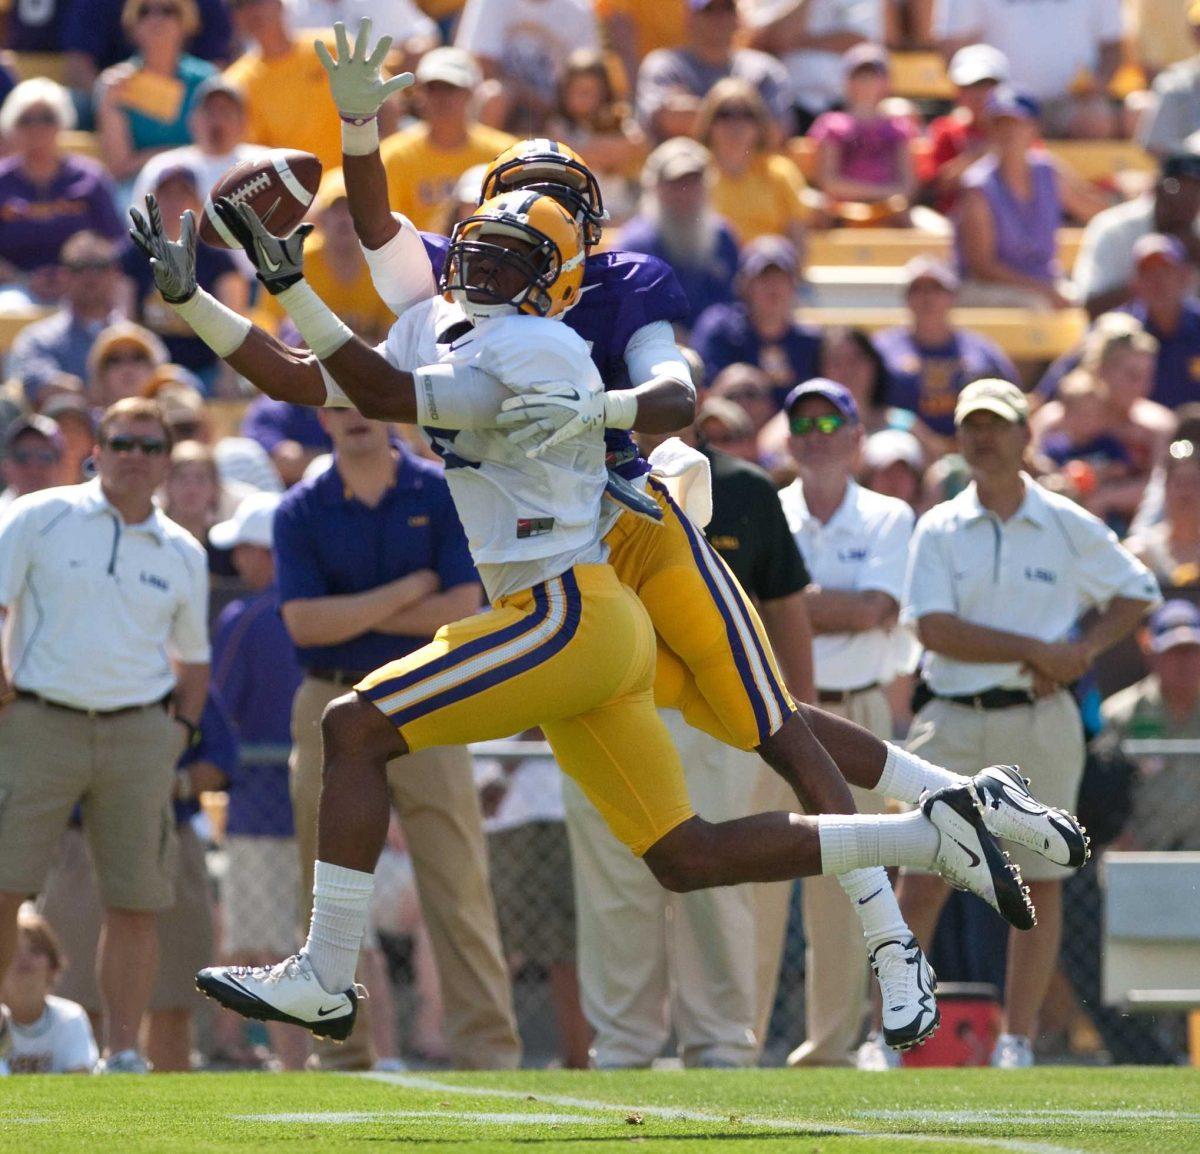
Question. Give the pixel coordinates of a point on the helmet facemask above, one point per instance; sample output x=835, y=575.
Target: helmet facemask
x=478, y=263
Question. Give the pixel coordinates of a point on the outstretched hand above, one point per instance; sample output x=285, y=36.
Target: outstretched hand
x=355, y=77
x=279, y=261
x=172, y=262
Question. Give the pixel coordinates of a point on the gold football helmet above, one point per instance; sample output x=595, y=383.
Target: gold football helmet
x=521, y=251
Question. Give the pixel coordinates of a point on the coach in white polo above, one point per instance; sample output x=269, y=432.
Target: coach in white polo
x=106, y=675
x=998, y=578
x=855, y=544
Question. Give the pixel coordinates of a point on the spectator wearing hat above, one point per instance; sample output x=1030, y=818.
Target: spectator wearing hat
x=671, y=82
x=758, y=191
x=425, y=161
x=760, y=328
x=725, y=424
x=864, y=164
x=410, y=29
x=73, y=415
x=1174, y=113
x=521, y=45
x=855, y=546
x=292, y=435
x=1063, y=53
x=633, y=30
x=177, y=192
x=1104, y=269
x=960, y=138
x=810, y=38
x=60, y=343
x=256, y=673
x=1165, y=704
x=284, y=83
x=929, y=360
x=122, y=361
x=893, y=463
x=32, y=460
x=142, y=103
x=1162, y=300
x=677, y=223
x=998, y=578
x=103, y=702
x=217, y=123
x=48, y=195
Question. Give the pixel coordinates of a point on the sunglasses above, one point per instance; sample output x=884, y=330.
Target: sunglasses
x=147, y=446
x=91, y=266
x=168, y=11
x=33, y=456
x=827, y=424
x=734, y=114
x=125, y=359
x=36, y=119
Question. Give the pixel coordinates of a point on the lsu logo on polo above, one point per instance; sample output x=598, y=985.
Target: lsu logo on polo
x=1046, y=576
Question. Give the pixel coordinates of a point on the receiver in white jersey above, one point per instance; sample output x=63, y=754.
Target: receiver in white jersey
x=526, y=520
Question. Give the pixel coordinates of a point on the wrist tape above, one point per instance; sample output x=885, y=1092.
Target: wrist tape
x=217, y=325
x=323, y=330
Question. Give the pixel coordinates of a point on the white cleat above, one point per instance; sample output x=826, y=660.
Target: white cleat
x=969, y=858
x=907, y=983
x=285, y=992
x=1012, y=1052
x=876, y=1055
x=1012, y=812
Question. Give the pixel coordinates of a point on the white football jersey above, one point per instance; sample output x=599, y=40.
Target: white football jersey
x=526, y=520
x=59, y=1042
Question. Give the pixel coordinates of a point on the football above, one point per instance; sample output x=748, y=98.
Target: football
x=279, y=186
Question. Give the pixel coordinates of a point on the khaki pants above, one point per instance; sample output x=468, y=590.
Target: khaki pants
x=435, y=798
x=649, y=959
x=836, y=973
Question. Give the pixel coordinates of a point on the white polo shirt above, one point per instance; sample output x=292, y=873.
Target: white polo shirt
x=1034, y=574
x=97, y=606
x=864, y=547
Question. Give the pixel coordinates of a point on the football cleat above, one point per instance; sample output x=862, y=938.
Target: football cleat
x=1012, y=1052
x=907, y=983
x=969, y=858
x=285, y=992
x=874, y=1055
x=1010, y=811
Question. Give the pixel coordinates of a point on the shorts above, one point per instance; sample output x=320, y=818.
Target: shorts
x=260, y=895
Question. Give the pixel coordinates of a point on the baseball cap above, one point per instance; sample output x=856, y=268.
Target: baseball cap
x=1184, y=163
x=217, y=85
x=888, y=446
x=837, y=395
x=1174, y=623
x=992, y=395
x=680, y=156
x=251, y=523
x=120, y=335
x=977, y=62
x=930, y=268
x=451, y=66
x=1157, y=244
x=36, y=423
x=1008, y=102
x=184, y=172
x=865, y=55
x=766, y=252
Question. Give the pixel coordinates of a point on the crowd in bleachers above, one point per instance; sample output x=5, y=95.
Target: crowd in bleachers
x=902, y=196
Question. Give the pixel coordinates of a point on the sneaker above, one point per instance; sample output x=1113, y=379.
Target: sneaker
x=5, y=1040
x=390, y=1066
x=874, y=1054
x=1010, y=811
x=123, y=1062
x=286, y=992
x=907, y=982
x=1012, y=1052
x=969, y=858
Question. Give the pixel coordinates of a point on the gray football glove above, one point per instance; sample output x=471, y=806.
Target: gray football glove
x=355, y=81
x=172, y=262
x=279, y=261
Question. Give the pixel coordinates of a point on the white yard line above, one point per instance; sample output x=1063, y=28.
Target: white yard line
x=793, y=1126
x=1029, y=1117
x=494, y=1119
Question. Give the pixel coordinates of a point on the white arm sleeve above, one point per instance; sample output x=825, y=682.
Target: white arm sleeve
x=400, y=269
x=653, y=352
x=457, y=397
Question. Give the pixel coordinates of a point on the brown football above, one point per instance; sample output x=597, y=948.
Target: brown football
x=279, y=186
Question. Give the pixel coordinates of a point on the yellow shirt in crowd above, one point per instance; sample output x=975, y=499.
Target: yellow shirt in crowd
x=767, y=198
x=421, y=178
x=662, y=24
x=288, y=104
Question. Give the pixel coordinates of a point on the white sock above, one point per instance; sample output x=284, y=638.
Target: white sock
x=906, y=776
x=859, y=841
x=341, y=900
x=874, y=901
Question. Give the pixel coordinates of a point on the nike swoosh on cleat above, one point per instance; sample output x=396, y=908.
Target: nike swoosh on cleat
x=326, y=1013
x=863, y=901
x=969, y=852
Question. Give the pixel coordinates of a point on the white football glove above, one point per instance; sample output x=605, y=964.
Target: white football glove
x=358, y=88
x=554, y=411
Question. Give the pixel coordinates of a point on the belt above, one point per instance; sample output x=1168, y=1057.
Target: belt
x=841, y=696
x=160, y=703
x=338, y=676
x=991, y=698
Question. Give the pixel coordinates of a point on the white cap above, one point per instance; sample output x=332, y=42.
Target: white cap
x=251, y=523
x=977, y=62
x=888, y=446
x=452, y=66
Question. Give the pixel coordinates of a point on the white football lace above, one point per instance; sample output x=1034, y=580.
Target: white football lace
x=893, y=974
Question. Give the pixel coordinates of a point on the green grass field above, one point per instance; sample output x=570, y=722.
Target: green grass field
x=1050, y=1110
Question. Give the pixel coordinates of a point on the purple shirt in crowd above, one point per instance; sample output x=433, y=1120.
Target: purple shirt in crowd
x=870, y=149
x=35, y=221
x=269, y=422
x=256, y=672
x=94, y=27
x=1026, y=230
